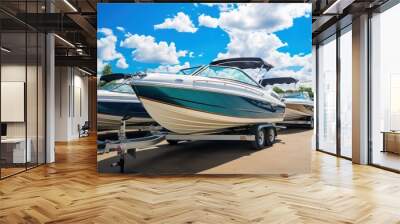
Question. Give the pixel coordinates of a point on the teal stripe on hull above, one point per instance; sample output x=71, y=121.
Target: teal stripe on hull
x=210, y=102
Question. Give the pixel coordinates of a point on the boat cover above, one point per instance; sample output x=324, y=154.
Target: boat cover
x=243, y=63
x=115, y=76
x=279, y=80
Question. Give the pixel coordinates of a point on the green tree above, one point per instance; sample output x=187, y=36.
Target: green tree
x=308, y=90
x=107, y=70
x=278, y=90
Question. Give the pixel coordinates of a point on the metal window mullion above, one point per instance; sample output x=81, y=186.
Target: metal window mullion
x=0, y=95
x=338, y=94
x=369, y=96
x=26, y=87
x=37, y=90
x=317, y=96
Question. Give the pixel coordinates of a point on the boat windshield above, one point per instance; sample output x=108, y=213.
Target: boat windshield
x=220, y=72
x=117, y=86
x=188, y=71
x=296, y=95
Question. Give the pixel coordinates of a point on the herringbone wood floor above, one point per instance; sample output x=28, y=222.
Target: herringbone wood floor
x=71, y=191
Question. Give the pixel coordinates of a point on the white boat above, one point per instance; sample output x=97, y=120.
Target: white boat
x=299, y=106
x=210, y=98
x=116, y=101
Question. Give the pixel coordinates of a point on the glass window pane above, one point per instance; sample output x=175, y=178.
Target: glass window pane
x=385, y=84
x=346, y=94
x=13, y=86
x=31, y=98
x=41, y=98
x=327, y=96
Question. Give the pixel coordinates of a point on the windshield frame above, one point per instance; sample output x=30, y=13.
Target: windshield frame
x=116, y=86
x=194, y=67
x=197, y=72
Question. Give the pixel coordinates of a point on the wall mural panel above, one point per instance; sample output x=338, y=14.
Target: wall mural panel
x=204, y=88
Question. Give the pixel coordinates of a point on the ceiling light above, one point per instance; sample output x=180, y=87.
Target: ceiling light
x=5, y=50
x=70, y=5
x=64, y=40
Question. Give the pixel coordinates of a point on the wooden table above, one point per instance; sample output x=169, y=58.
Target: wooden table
x=391, y=141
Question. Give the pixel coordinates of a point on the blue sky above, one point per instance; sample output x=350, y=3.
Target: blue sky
x=168, y=36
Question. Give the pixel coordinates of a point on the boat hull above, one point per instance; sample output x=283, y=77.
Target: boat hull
x=107, y=122
x=113, y=107
x=188, y=110
x=298, y=111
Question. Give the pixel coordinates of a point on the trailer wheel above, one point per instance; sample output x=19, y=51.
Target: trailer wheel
x=259, y=141
x=270, y=135
x=172, y=142
x=311, y=123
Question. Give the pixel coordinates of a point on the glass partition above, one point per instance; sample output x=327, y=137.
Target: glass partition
x=13, y=94
x=385, y=89
x=22, y=77
x=327, y=95
x=31, y=97
x=41, y=97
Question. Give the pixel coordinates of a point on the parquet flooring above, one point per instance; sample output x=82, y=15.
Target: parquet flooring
x=71, y=191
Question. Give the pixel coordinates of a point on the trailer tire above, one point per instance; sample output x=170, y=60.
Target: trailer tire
x=172, y=142
x=270, y=136
x=311, y=123
x=259, y=141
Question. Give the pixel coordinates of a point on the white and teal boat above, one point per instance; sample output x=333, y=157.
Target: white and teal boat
x=116, y=101
x=210, y=98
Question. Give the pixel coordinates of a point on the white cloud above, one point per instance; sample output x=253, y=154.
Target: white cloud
x=191, y=54
x=208, y=21
x=121, y=63
x=105, y=31
x=302, y=75
x=146, y=49
x=181, y=23
x=267, y=17
x=251, y=44
x=170, y=68
x=120, y=28
x=223, y=7
x=100, y=65
x=106, y=50
x=266, y=46
x=251, y=29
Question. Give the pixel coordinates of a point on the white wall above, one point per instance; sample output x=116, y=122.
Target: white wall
x=71, y=94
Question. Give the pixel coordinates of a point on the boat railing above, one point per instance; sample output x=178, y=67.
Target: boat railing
x=249, y=89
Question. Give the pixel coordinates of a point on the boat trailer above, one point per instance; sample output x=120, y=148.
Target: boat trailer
x=260, y=135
